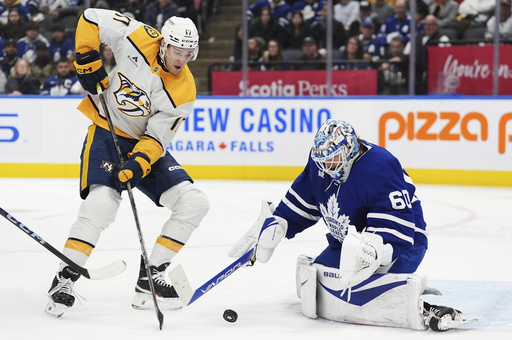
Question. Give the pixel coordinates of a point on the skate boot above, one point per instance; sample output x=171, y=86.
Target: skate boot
x=166, y=295
x=62, y=294
x=442, y=318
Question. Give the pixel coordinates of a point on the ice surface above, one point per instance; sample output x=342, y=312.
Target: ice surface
x=469, y=260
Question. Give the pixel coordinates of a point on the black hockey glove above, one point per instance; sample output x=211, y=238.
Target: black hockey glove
x=90, y=71
x=136, y=168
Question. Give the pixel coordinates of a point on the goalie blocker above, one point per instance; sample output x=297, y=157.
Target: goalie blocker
x=391, y=300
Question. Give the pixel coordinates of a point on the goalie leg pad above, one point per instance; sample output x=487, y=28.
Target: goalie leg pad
x=306, y=280
x=391, y=300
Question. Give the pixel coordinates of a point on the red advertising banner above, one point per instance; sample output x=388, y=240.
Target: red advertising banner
x=295, y=83
x=468, y=70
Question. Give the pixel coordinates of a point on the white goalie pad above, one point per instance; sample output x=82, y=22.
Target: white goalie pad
x=391, y=300
x=306, y=281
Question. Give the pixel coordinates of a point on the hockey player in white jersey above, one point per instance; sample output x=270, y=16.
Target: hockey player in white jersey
x=149, y=94
x=376, y=239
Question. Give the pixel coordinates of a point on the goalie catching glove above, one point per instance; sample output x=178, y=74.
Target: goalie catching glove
x=361, y=255
x=90, y=71
x=265, y=234
x=137, y=167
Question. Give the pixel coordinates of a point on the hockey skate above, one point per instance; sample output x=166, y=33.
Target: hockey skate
x=62, y=294
x=166, y=295
x=442, y=318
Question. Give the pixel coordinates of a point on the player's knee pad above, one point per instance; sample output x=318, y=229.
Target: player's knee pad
x=187, y=203
x=383, y=299
x=96, y=213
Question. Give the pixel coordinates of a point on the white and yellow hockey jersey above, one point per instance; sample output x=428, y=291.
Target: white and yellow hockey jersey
x=145, y=102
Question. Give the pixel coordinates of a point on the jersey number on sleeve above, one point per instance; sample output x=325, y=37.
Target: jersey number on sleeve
x=400, y=200
x=122, y=19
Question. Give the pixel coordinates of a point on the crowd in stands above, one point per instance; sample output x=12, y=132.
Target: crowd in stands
x=37, y=47
x=366, y=34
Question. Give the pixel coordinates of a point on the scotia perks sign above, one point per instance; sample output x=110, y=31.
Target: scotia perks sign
x=468, y=70
x=295, y=83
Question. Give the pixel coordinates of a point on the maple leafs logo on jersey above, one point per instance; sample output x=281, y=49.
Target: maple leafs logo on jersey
x=133, y=101
x=338, y=225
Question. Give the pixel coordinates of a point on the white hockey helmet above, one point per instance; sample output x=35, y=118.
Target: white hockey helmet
x=181, y=33
x=334, y=146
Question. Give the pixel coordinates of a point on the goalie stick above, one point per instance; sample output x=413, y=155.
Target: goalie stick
x=113, y=269
x=159, y=314
x=188, y=295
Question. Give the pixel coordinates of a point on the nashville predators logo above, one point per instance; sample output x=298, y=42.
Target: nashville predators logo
x=108, y=166
x=133, y=101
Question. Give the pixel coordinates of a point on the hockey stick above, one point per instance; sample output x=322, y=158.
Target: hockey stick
x=159, y=314
x=188, y=295
x=105, y=272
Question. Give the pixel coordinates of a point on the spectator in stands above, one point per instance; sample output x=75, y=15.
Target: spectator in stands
x=346, y=11
x=319, y=32
x=505, y=25
x=255, y=48
x=395, y=72
x=108, y=58
x=352, y=56
x=279, y=8
x=311, y=58
x=15, y=27
x=42, y=67
x=7, y=5
x=294, y=33
x=381, y=10
x=60, y=45
x=429, y=37
x=265, y=25
x=273, y=58
x=136, y=7
x=446, y=12
x=373, y=46
x=478, y=10
x=311, y=9
x=63, y=83
x=21, y=80
x=422, y=10
x=68, y=15
x=27, y=44
x=365, y=10
x=159, y=11
x=236, y=53
x=473, y=14
x=399, y=24
x=3, y=82
x=9, y=57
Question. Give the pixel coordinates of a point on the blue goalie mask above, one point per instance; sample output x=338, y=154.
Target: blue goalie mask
x=334, y=147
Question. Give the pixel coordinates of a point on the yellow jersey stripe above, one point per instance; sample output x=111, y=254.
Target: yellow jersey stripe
x=87, y=36
x=169, y=243
x=150, y=147
x=87, y=151
x=79, y=246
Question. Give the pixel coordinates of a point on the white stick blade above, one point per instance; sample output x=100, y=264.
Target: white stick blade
x=180, y=283
x=110, y=270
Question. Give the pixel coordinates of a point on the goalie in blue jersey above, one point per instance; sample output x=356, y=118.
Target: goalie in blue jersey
x=376, y=240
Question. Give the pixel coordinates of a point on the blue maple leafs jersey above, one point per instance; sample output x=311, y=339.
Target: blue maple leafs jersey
x=378, y=196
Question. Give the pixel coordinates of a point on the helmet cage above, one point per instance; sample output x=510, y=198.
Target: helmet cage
x=334, y=146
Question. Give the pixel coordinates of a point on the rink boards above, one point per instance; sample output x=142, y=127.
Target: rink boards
x=441, y=140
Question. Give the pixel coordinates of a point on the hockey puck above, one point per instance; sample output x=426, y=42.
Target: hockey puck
x=230, y=315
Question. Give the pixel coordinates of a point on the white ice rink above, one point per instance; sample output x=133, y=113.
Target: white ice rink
x=469, y=260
